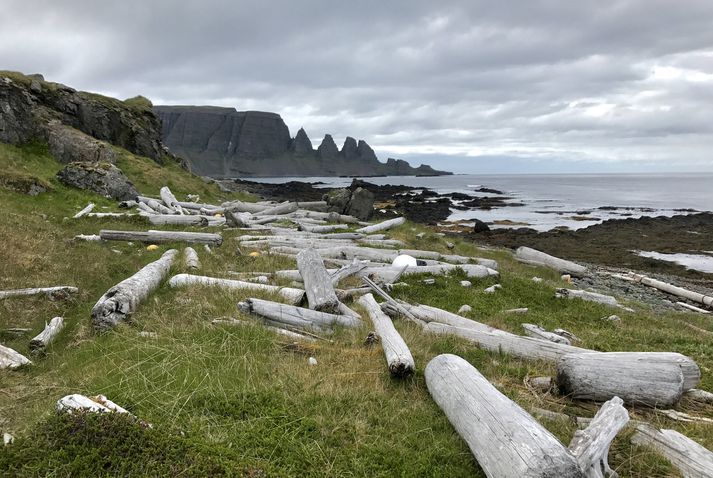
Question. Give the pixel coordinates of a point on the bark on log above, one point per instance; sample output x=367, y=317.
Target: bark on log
x=53, y=293
x=654, y=379
x=591, y=445
x=120, y=301
x=11, y=359
x=540, y=333
x=691, y=459
x=50, y=332
x=318, y=284
x=673, y=290
x=84, y=211
x=506, y=440
x=190, y=258
x=170, y=200
x=159, y=237
x=398, y=356
x=382, y=226
x=296, y=316
x=294, y=296
x=532, y=256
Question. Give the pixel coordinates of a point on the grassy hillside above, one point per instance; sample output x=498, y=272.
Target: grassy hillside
x=241, y=401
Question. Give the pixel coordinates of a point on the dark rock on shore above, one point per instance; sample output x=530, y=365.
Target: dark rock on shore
x=358, y=202
x=480, y=226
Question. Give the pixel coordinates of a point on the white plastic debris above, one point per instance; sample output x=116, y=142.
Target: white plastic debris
x=312, y=361
x=464, y=309
x=98, y=404
x=429, y=281
x=404, y=260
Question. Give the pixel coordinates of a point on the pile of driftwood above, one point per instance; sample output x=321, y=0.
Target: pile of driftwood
x=505, y=439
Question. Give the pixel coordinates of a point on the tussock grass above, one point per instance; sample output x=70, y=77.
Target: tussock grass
x=235, y=400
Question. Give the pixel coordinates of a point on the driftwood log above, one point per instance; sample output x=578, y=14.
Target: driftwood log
x=50, y=332
x=159, y=237
x=280, y=209
x=170, y=200
x=655, y=379
x=691, y=459
x=294, y=296
x=398, y=356
x=506, y=440
x=673, y=290
x=534, y=257
x=174, y=219
x=84, y=211
x=277, y=330
x=382, y=226
x=54, y=293
x=240, y=206
x=119, y=302
x=589, y=297
x=190, y=258
x=540, y=333
x=9, y=358
x=387, y=274
x=296, y=316
x=318, y=283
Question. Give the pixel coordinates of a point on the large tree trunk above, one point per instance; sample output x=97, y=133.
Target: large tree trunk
x=318, y=284
x=654, y=379
x=691, y=459
x=294, y=296
x=160, y=237
x=506, y=440
x=170, y=200
x=119, y=302
x=296, y=316
x=9, y=358
x=54, y=293
x=398, y=356
x=535, y=257
x=50, y=332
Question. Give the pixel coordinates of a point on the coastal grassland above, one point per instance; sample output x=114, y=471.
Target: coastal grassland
x=240, y=400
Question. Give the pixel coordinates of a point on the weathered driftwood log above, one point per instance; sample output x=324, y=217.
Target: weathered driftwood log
x=54, y=293
x=589, y=297
x=120, y=301
x=693, y=308
x=382, y=226
x=653, y=379
x=691, y=459
x=87, y=237
x=170, y=200
x=50, y=332
x=237, y=219
x=277, y=330
x=158, y=237
x=296, y=316
x=280, y=209
x=109, y=214
x=330, y=216
x=591, y=445
x=143, y=207
x=673, y=290
x=699, y=395
x=398, y=356
x=346, y=271
x=320, y=206
x=540, y=333
x=9, y=358
x=392, y=302
x=294, y=296
x=190, y=258
x=387, y=274
x=155, y=205
x=506, y=440
x=84, y=211
x=173, y=219
x=532, y=256
x=318, y=283
x=240, y=206
x=194, y=206
x=322, y=229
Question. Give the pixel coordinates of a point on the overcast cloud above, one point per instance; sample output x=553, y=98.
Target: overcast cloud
x=474, y=86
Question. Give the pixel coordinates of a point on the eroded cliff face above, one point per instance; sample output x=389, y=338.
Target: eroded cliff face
x=223, y=142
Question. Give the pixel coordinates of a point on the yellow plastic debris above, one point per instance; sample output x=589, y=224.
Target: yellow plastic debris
x=217, y=214
x=152, y=247
x=254, y=254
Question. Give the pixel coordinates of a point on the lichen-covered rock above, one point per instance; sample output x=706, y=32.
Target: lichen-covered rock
x=338, y=200
x=361, y=204
x=102, y=178
x=69, y=145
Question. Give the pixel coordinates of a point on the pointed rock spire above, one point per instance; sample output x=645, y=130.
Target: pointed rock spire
x=328, y=148
x=365, y=152
x=301, y=143
x=349, y=150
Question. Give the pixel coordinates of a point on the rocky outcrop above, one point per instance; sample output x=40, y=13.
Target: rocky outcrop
x=225, y=143
x=102, y=178
x=69, y=145
x=29, y=105
x=358, y=202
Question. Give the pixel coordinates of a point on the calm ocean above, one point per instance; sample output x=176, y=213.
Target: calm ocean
x=562, y=199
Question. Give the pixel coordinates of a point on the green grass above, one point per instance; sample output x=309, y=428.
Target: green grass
x=236, y=401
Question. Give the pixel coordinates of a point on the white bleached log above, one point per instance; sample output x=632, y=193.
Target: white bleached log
x=155, y=205
x=699, y=395
x=241, y=206
x=173, y=219
x=294, y=296
x=190, y=258
x=87, y=237
x=296, y=316
x=170, y=200
x=318, y=284
x=653, y=379
x=387, y=274
x=346, y=271
x=506, y=441
x=279, y=210
x=322, y=229
x=673, y=290
x=531, y=256
x=691, y=459
x=54, y=293
x=109, y=214
x=398, y=356
x=145, y=208
x=540, y=333
x=159, y=237
x=50, y=332
x=122, y=300
x=693, y=308
x=589, y=297
x=84, y=211
x=328, y=216
x=238, y=219
x=194, y=206
x=98, y=404
x=522, y=310
x=319, y=206
x=382, y=226
x=277, y=330
x=11, y=359
x=684, y=417
x=591, y=445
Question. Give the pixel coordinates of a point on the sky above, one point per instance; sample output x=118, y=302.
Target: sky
x=471, y=86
